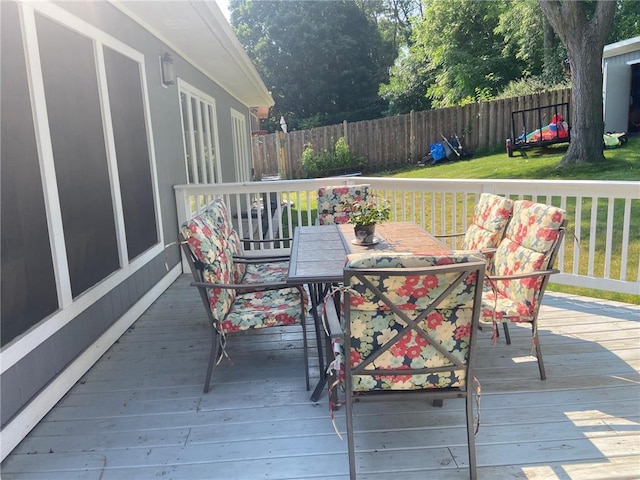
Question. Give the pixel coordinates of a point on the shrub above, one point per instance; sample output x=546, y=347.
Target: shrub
x=324, y=162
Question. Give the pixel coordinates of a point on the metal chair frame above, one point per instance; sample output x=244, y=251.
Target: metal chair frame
x=463, y=271
x=197, y=269
x=546, y=275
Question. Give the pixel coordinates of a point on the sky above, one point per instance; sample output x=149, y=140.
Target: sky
x=224, y=6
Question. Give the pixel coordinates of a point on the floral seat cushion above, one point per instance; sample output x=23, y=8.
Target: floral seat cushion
x=335, y=204
x=529, y=241
x=271, y=272
x=377, y=332
x=269, y=308
x=491, y=216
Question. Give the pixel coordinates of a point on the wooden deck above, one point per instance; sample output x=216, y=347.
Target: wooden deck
x=139, y=413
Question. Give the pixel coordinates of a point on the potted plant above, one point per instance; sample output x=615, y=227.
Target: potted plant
x=365, y=216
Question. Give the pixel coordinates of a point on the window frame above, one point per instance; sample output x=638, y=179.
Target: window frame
x=69, y=307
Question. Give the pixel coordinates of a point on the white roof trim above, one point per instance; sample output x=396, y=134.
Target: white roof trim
x=621, y=47
x=199, y=32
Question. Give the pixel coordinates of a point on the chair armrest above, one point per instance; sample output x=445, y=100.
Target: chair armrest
x=488, y=252
x=259, y=260
x=248, y=287
x=518, y=276
x=333, y=322
x=450, y=235
x=267, y=240
x=265, y=253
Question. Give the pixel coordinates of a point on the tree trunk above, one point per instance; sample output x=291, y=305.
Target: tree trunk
x=587, y=119
x=584, y=39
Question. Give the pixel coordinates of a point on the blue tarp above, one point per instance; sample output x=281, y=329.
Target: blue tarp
x=437, y=151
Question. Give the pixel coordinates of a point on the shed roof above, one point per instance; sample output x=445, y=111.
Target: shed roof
x=621, y=47
x=199, y=32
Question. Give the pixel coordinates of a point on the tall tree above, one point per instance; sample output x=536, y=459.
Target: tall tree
x=322, y=61
x=626, y=23
x=408, y=84
x=529, y=37
x=583, y=28
x=461, y=46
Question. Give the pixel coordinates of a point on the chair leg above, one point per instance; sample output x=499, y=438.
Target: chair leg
x=215, y=345
x=314, y=294
x=471, y=436
x=507, y=337
x=350, y=440
x=536, y=341
x=305, y=348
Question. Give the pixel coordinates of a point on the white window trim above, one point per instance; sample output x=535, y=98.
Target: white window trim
x=241, y=154
x=69, y=308
x=209, y=128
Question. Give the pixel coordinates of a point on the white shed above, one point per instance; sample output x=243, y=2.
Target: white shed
x=621, y=86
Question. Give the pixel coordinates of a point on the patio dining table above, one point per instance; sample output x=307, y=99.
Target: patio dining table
x=318, y=257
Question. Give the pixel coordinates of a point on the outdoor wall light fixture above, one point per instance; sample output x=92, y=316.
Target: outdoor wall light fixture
x=166, y=64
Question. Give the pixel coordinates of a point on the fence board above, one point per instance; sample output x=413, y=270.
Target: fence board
x=400, y=140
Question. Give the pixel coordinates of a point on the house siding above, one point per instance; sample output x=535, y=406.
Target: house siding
x=621, y=91
x=22, y=381
x=30, y=371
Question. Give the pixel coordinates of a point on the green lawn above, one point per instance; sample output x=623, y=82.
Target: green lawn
x=622, y=164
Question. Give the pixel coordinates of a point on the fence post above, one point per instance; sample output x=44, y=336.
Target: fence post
x=412, y=141
x=282, y=154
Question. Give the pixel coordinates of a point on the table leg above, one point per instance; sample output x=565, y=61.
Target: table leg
x=317, y=292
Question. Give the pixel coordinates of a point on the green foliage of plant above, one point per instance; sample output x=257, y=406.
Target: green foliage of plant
x=325, y=162
x=529, y=86
x=370, y=213
x=321, y=61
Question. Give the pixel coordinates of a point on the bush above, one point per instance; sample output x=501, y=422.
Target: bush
x=324, y=163
x=529, y=86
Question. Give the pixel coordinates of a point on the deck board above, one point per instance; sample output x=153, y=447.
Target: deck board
x=140, y=413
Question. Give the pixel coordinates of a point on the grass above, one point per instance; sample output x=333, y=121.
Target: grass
x=621, y=164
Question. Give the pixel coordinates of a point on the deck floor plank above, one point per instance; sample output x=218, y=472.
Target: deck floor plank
x=140, y=413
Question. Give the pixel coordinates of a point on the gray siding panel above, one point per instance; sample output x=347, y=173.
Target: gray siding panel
x=11, y=397
x=21, y=382
x=25, y=379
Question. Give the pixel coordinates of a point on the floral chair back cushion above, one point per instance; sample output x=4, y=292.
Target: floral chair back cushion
x=335, y=204
x=490, y=218
x=218, y=217
x=528, y=243
x=218, y=267
x=382, y=340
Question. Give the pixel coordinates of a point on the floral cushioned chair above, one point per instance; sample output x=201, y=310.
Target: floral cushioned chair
x=490, y=218
x=267, y=268
x=521, y=267
x=234, y=302
x=409, y=327
x=335, y=204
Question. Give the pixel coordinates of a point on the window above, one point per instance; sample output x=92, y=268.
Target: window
x=132, y=151
x=79, y=153
x=240, y=150
x=200, y=136
x=29, y=290
x=79, y=190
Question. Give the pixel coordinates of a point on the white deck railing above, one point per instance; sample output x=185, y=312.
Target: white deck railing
x=603, y=252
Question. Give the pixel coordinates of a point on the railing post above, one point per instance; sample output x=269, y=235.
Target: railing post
x=183, y=209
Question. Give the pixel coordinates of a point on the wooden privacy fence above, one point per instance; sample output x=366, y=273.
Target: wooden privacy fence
x=392, y=142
